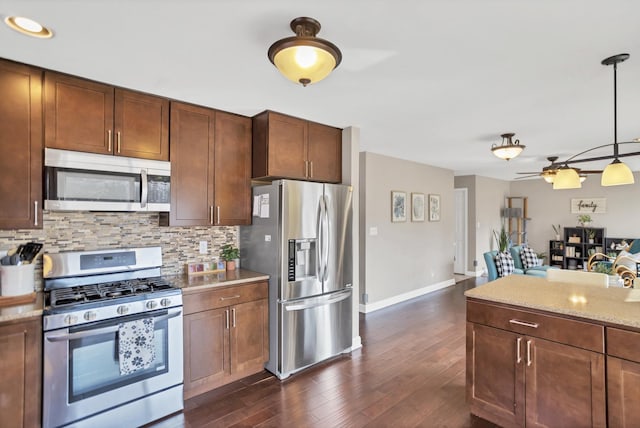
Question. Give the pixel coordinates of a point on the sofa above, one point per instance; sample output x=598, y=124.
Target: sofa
x=519, y=269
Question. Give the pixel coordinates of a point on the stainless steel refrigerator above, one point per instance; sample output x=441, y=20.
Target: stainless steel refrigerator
x=301, y=237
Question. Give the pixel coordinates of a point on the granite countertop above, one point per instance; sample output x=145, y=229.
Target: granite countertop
x=195, y=283
x=614, y=305
x=24, y=310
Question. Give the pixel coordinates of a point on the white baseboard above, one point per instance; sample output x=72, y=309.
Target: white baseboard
x=356, y=343
x=370, y=307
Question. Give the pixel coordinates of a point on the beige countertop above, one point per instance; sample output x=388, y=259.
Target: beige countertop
x=25, y=310
x=196, y=283
x=614, y=305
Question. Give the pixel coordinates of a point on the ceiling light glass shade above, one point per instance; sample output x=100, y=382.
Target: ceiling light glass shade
x=28, y=26
x=566, y=178
x=548, y=176
x=508, y=149
x=305, y=58
x=616, y=174
x=582, y=178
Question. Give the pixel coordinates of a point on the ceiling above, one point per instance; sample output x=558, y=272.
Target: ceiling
x=435, y=82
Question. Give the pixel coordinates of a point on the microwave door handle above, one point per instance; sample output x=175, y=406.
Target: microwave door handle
x=104, y=330
x=145, y=189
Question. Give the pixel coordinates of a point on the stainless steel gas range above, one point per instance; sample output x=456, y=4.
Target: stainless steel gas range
x=112, y=339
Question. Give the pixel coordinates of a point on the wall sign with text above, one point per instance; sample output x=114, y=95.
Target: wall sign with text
x=589, y=206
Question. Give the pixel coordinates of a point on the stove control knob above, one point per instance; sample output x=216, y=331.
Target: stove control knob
x=122, y=310
x=165, y=302
x=70, y=319
x=90, y=315
x=151, y=304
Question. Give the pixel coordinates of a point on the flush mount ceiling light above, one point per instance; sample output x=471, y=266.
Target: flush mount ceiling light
x=508, y=149
x=28, y=26
x=305, y=58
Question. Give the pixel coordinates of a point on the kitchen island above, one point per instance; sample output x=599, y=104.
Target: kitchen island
x=543, y=353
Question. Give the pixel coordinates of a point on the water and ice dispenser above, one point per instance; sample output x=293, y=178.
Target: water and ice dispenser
x=302, y=259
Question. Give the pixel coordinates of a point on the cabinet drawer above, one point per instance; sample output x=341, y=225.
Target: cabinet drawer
x=571, y=332
x=623, y=344
x=221, y=297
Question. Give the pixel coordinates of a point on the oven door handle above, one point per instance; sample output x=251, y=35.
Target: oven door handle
x=104, y=330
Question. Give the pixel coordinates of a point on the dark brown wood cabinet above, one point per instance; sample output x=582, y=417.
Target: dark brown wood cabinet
x=531, y=369
x=21, y=145
x=623, y=377
x=21, y=372
x=226, y=335
x=210, y=167
x=288, y=147
x=93, y=117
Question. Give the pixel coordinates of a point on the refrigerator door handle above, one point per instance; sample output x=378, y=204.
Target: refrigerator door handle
x=319, y=242
x=315, y=302
x=326, y=241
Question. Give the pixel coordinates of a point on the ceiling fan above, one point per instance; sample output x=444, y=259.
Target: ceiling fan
x=549, y=171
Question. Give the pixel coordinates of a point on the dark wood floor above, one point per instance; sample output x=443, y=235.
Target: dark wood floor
x=409, y=372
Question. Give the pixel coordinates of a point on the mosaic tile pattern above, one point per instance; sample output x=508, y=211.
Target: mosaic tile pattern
x=82, y=230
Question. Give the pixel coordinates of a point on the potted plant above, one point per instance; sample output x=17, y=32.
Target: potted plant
x=591, y=234
x=557, y=229
x=502, y=239
x=229, y=254
x=607, y=268
x=584, y=220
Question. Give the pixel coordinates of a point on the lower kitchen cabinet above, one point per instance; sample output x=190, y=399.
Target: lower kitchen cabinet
x=623, y=377
x=226, y=335
x=530, y=369
x=20, y=373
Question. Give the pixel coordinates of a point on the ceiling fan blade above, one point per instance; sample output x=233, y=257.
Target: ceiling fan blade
x=591, y=171
x=528, y=173
x=528, y=176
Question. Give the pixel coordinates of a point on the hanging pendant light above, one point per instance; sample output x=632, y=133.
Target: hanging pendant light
x=566, y=178
x=617, y=172
x=305, y=58
x=508, y=149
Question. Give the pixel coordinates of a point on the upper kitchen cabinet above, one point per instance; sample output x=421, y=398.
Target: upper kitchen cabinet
x=93, y=117
x=21, y=146
x=210, y=167
x=288, y=147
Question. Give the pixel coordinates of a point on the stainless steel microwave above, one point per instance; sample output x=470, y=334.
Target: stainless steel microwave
x=78, y=181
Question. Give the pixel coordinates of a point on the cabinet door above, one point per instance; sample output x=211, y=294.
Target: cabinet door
x=21, y=146
x=141, y=125
x=20, y=373
x=232, y=169
x=623, y=386
x=249, y=337
x=287, y=147
x=192, y=165
x=206, y=350
x=78, y=114
x=495, y=375
x=324, y=153
x=565, y=386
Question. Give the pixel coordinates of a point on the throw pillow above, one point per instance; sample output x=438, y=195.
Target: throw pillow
x=504, y=264
x=529, y=258
x=627, y=259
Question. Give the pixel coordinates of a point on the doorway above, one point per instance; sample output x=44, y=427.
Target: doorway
x=461, y=221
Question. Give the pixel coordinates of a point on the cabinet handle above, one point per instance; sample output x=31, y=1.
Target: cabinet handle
x=237, y=296
x=119, y=138
x=226, y=314
x=524, y=323
x=233, y=311
x=306, y=169
x=310, y=169
x=211, y=214
x=35, y=213
x=218, y=214
x=518, y=354
x=109, y=141
x=528, y=353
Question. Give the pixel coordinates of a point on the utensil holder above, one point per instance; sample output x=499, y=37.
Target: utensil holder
x=17, y=280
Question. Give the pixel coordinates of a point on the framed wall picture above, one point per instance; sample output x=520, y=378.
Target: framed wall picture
x=434, y=207
x=417, y=206
x=398, y=206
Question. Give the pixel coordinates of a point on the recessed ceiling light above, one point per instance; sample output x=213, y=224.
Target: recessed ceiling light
x=28, y=26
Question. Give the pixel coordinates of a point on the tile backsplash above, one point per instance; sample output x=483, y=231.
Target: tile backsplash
x=83, y=230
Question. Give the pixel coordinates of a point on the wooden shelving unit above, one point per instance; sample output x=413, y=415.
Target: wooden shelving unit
x=516, y=216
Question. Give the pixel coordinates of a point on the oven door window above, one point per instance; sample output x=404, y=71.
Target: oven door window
x=94, y=367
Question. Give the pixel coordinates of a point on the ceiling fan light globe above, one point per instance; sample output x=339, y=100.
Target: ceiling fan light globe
x=617, y=173
x=548, y=178
x=566, y=178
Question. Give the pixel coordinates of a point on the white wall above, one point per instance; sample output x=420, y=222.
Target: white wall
x=403, y=260
x=548, y=206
